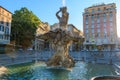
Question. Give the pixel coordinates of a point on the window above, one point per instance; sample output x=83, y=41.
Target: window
x=7, y=37
x=6, y=30
x=104, y=24
x=104, y=8
x=86, y=26
x=98, y=30
x=92, y=26
x=98, y=35
x=87, y=35
x=86, y=22
x=87, y=19
x=1, y=36
x=93, y=35
x=111, y=18
x=87, y=11
x=98, y=25
x=1, y=28
x=104, y=15
x=111, y=24
x=7, y=23
x=105, y=31
x=92, y=17
x=112, y=33
x=92, y=30
x=105, y=35
x=111, y=29
x=111, y=14
x=2, y=22
x=104, y=19
x=86, y=16
x=86, y=31
x=92, y=10
x=98, y=20
x=92, y=21
x=87, y=41
x=99, y=10
x=98, y=16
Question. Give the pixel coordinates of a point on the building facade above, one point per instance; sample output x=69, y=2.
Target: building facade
x=42, y=29
x=119, y=43
x=54, y=26
x=5, y=25
x=76, y=45
x=99, y=25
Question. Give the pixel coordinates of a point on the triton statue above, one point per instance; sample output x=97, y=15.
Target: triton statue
x=60, y=40
x=63, y=20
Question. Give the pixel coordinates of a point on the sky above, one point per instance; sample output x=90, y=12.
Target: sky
x=46, y=9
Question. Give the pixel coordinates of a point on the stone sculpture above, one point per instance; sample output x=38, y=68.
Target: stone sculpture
x=63, y=20
x=60, y=39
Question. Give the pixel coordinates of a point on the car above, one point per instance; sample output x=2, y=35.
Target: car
x=30, y=49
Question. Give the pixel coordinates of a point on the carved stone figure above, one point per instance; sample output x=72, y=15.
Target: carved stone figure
x=60, y=39
x=63, y=20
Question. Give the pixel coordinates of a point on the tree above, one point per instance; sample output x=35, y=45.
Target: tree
x=23, y=28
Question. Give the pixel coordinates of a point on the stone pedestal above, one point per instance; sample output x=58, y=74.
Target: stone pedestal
x=60, y=40
x=61, y=57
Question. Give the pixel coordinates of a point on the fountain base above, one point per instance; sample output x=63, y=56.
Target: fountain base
x=60, y=61
x=60, y=41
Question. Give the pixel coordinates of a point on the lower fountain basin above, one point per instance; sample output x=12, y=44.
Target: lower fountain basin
x=39, y=71
x=106, y=78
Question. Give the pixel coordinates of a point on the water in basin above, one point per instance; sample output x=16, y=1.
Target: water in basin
x=39, y=71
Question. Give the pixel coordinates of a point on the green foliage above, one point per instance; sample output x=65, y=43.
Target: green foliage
x=23, y=28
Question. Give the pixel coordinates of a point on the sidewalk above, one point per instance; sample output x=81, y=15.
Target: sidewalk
x=30, y=56
x=16, y=58
x=24, y=57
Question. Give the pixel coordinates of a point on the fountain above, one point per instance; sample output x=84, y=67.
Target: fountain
x=106, y=78
x=60, y=39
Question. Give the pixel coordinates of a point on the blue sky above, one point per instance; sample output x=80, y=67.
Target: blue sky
x=46, y=9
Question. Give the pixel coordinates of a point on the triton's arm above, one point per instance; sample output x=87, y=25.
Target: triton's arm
x=58, y=13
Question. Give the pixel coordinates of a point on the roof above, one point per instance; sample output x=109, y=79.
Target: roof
x=101, y=4
x=6, y=9
x=74, y=27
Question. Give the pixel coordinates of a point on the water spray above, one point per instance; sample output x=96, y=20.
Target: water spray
x=63, y=3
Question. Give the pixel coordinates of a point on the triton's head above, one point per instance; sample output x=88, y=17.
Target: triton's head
x=63, y=9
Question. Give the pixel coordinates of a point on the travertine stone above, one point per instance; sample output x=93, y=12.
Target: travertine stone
x=60, y=40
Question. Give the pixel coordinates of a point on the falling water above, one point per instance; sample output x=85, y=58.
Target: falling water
x=63, y=2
